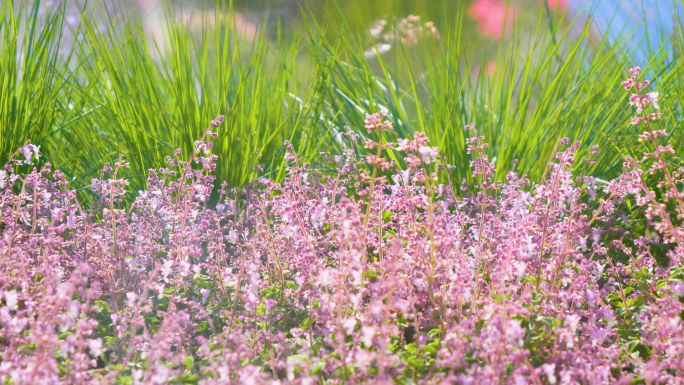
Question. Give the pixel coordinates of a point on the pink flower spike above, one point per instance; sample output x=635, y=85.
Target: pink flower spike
x=628, y=84
x=217, y=122
x=376, y=121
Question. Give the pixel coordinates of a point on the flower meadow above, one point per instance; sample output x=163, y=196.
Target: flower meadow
x=385, y=271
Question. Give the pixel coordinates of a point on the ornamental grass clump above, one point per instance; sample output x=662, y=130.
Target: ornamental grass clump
x=385, y=271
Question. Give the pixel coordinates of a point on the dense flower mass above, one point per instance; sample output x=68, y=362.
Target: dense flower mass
x=352, y=277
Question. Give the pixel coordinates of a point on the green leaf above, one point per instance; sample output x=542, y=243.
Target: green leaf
x=189, y=363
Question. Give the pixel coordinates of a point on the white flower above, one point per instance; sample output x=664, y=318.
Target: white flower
x=653, y=98
x=131, y=298
x=95, y=347
x=11, y=300
x=204, y=293
x=549, y=371
x=368, y=334
x=428, y=154
x=378, y=50
x=377, y=28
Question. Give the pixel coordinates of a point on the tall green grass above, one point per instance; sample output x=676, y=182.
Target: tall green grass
x=145, y=99
x=552, y=80
x=118, y=91
x=33, y=77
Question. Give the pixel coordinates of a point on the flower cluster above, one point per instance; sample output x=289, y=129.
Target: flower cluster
x=377, y=122
x=342, y=278
x=408, y=31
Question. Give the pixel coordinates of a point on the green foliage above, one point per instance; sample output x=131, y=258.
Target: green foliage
x=148, y=98
x=120, y=91
x=33, y=77
x=549, y=82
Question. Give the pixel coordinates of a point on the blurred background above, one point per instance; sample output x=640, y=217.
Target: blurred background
x=487, y=18
x=645, y=23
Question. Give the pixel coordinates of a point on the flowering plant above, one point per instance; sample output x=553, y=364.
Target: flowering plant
x=350, y=277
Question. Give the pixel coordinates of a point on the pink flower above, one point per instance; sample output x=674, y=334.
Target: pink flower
x=30, y=151
x=215, y=123
x=558, y=5
x=491, y=16
x=377, y=121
